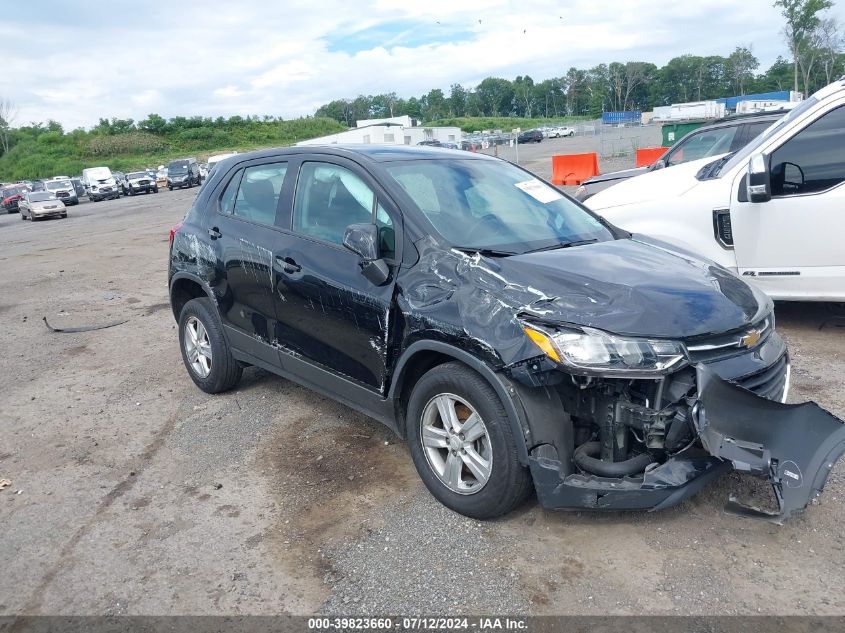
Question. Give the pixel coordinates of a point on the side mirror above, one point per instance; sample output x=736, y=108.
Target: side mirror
x=759, y=183
x=658, y=164
x=362, y=239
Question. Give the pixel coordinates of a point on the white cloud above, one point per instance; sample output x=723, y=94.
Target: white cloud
x=228, y=91
x=287, y=59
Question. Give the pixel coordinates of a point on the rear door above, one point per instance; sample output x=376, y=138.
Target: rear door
x=331, y=318
x=791, y=245
x=242, y=233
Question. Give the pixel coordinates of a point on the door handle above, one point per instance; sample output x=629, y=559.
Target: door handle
x=214, y=233
x=289, y=265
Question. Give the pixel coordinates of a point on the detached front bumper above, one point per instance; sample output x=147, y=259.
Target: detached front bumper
x=794, y=447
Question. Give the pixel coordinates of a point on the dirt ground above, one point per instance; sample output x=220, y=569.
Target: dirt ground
x=132, y=492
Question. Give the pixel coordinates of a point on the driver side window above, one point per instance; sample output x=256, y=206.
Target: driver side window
x=328, y=199
x=812, y=160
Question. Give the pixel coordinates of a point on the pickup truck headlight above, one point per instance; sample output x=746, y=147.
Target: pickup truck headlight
x=591, y=351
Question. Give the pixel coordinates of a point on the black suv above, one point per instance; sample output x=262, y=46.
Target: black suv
x=530, y=136
x=720, y=137
x=184, y=172
x=510, y=335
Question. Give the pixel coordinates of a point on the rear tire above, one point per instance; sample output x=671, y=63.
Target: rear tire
x=456, y=387
x=222, y=371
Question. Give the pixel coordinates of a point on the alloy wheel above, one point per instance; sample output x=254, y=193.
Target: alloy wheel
x=456, y=443
x=197, y=347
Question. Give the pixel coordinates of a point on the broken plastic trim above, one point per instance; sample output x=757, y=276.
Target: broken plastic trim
x=82, y=328
x=793, y=446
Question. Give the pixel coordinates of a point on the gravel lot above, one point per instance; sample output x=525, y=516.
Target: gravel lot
x=135, y=493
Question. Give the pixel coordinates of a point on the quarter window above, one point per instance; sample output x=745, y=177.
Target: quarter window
x=328, y=199
x=227, y=200
x=813, y=160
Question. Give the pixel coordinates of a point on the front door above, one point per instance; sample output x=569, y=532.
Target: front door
x=242, y=233
x=330, y=316
x=791, y=246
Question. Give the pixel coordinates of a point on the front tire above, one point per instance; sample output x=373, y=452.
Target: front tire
x=205, y=351
x=462, y=444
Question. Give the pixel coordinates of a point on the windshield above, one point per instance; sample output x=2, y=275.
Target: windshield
x=178, y=167
x=41, y=196
x=13, y=191
x=493, y=205
x=777, y=126
x=137, y=174
x=55, y=185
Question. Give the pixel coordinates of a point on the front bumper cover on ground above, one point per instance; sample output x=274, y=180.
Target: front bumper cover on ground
x=794, y=447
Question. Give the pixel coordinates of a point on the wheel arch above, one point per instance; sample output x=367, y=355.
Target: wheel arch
x=184, y=287
x=422, y=356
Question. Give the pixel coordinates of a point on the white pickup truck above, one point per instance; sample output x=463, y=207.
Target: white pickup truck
x=773, y=212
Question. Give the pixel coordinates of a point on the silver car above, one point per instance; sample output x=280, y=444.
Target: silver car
x=41, y=204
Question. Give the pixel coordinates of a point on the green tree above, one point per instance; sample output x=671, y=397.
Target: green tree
x=457, y=100
x=802, y=20
x=740, y=67
x=495, y=96
x=523, y=102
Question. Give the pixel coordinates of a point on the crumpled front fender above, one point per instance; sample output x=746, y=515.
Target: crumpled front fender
x=794, y=446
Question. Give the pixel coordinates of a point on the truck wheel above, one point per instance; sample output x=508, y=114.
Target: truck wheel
x=462, y=445
x=204, y=348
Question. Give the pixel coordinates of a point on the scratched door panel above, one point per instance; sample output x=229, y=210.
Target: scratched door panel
x=245, y=247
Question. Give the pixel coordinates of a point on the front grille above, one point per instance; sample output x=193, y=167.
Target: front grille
x=708, y=349
x=768, y=382
x=62, y=194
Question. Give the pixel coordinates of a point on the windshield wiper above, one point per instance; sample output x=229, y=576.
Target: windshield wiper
x=711, y=170
x=554, y=247
x=485, y=252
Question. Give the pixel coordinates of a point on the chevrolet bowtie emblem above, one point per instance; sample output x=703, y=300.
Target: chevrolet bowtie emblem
x=750, y=338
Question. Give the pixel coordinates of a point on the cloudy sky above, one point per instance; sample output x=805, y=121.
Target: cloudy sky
x=76, y=62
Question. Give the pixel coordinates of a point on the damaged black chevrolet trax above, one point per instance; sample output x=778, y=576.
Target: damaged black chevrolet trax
x=512, y=337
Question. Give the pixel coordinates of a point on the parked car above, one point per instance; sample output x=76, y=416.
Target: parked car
x=430, y=143
x=63, y=190
x=10, y=196
x=725, y=135
x=78, y=187
x=184, y=172
x=530, y=136
x=120, y=181
x=771, y=212
x=509, y=335
x=140, y=181
x=38, y=185
x=100, y=184
x=561, y=131
x=36, y=205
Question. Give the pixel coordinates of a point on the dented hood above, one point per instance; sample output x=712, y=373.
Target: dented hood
x=629, y=287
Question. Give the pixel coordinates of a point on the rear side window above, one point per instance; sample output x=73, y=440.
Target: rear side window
x=253, y=193
x=812, y=160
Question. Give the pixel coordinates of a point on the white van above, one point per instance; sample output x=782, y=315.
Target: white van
x=213, y=160
x=99, y=183
x=773, y=212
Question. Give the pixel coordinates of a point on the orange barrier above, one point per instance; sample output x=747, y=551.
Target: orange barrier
x=648, y=155
x=573, y=169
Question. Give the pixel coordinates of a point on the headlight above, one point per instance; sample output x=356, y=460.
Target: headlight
x=593, y=351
